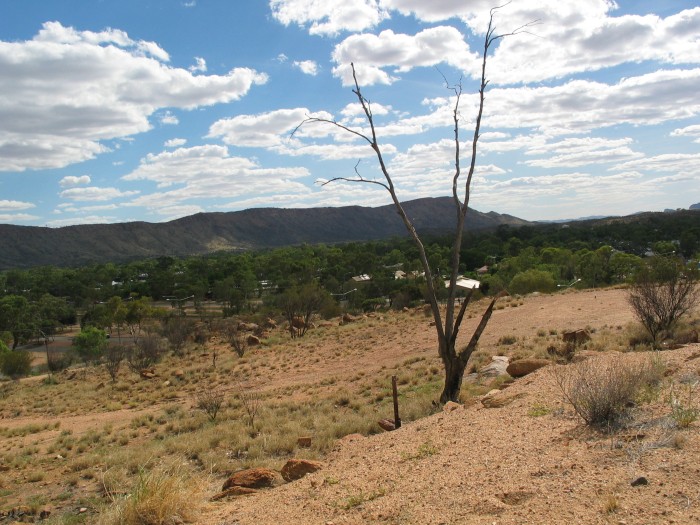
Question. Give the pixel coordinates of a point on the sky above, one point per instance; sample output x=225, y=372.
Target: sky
x=152, y=110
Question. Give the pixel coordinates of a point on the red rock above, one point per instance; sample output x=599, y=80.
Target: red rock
x=252, y=478
x=298, y=468
x=304, y=441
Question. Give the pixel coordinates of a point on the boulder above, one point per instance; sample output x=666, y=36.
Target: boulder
x=451, y=406
x=497, y=366
x=523, y=367
x=387, y=424
x=148, y=373
x=253, y=340
x=252, y=478
x=298, y=468
x=347, y=318
x=180, y=374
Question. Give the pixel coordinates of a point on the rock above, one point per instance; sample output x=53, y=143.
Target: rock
x=497, y=366
x=493, y=400
x=252, y=478
x=247, y=327
x=451, y=406
x=180, y=374
x=148, y=373
x=253, y=340
x=304, y=441
x=166, y=383
x=641, y=480
x=576, y=337
x=233, y=491
x=523, y=367
x=347, y=318
x=387, y=424
x=298, y=468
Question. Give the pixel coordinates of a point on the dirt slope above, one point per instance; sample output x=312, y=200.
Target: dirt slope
x=506, y=465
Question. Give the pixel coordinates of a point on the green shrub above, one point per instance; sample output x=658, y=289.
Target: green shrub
x=532, y=281
x=16, y=363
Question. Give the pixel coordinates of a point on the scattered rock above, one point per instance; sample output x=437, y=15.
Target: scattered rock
x=253, y=340
x=641, y=480
x=298, y=468
x=252, y=478
x=493, y=400
x=387, y=424
x=247, y=327
x=304, y=441
x=166, y=383
x=232, y=492
x=347, y=318
x=451, y=406
x=180, y=374
x=523, y=367
x=148, y=373
x=497, y=366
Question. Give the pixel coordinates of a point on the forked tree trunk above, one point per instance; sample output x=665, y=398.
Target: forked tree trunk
x=454, y=372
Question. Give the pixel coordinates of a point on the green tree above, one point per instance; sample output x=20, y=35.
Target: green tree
x=663, y=290
x=532, y=281
x=90, y=344
x=16, y=317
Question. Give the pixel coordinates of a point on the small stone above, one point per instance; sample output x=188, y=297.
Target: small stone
x=304, y=441
x=82, y=510
x=298, y=468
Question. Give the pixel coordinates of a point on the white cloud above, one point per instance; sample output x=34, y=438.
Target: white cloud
x=681, y=163
x=175, y=143
x=168, y=119
x=94, y=193
x=13, y=218
x=576, y=152
x=282, y=58
x=328, y=17
x=7, y=205
x=199, y=66
x=688, y=131
x=308, y=67
x=72, y=180
x=66, y=90
x=209, y=172
x=264, y=130
x=370, y=53
x=90, y=219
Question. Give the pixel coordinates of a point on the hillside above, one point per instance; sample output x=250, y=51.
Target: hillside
x=29, y=246
x=81, y=442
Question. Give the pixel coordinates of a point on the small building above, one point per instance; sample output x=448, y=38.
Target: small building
x=465, y=283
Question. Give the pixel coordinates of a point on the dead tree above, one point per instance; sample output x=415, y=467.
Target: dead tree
x=447, y=328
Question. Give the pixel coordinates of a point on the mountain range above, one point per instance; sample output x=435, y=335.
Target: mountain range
x=260, y=228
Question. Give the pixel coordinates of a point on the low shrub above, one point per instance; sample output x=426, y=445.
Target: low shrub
x=601, y=390
x=16, y=363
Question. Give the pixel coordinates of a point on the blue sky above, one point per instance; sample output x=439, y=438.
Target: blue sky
x=151, y=110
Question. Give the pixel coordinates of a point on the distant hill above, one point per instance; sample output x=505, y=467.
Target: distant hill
x=695, y=206
x=29, y=246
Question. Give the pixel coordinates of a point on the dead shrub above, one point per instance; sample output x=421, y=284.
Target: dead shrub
x=145, y=353
x=601, y=390
x=210, y=402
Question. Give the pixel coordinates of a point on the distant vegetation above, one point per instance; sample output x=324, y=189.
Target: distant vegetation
x=35, y=303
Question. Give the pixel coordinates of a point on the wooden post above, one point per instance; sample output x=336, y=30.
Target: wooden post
x=397, y=419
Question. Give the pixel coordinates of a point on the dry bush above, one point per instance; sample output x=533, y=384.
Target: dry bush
x=601, y=390
x=114, y=355
x=159, y=497
x=145, y=353
x=210, y=402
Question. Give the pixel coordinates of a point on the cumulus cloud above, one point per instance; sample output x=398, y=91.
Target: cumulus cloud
x=14, y=218
x=209, y=172
x=264, y=130
x=308, y=67
x=175, y=143
x=72, y=180
x=688, y=131
x=65, y=91
x=94, y=193
x=371, y=53
x=328, y=17
x=200, y=65
x=7, y=205
x=168, y=119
